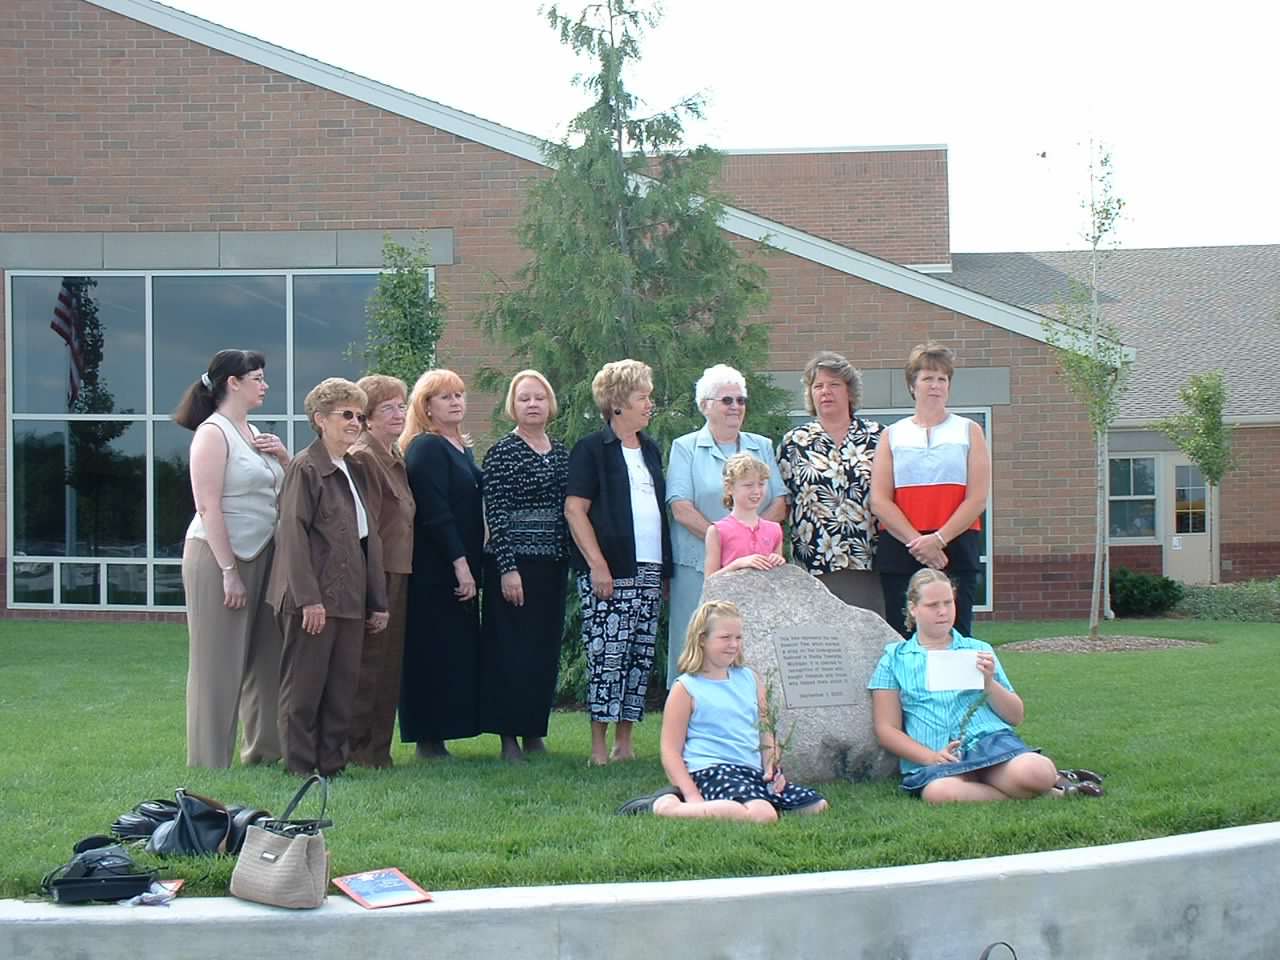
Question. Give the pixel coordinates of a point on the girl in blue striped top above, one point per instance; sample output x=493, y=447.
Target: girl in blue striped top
x=944, y=758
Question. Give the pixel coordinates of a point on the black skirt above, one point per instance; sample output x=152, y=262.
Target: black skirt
x=439, y=684
x=520, y=648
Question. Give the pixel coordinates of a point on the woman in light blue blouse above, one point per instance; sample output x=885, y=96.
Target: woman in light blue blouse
x=958, y=746
x=695, y=490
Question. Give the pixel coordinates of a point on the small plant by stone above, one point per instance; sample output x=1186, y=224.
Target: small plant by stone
x=770, y=723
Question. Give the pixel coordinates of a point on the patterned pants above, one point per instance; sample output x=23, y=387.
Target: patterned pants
x=732, y=781
x=619, y=634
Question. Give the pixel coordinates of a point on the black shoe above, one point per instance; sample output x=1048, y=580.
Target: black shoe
x=645, y=804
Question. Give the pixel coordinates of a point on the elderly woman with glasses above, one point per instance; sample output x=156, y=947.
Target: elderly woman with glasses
x=391, y=503
x=622, y=552
x=327, y=584
x=695, y=490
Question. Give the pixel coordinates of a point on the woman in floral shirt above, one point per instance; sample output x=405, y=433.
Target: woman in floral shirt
x=826, y=466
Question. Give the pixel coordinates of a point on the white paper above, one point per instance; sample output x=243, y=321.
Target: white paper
x=953, y=670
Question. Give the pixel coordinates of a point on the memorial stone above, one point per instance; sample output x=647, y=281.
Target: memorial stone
x=816, y=653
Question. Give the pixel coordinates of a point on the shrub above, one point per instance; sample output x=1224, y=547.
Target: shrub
x=1256, y=600
x=1142, y=594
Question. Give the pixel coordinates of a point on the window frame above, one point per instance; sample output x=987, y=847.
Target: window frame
x=1157, y=465
x=292, y=419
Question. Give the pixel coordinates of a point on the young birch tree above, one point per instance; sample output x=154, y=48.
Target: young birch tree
x=404, y=317
x=1092, y=360
x=627, y=257
x=1203, y=435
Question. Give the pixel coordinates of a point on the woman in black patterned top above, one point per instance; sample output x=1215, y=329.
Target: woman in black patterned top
x=525, y=477
x=826, y=466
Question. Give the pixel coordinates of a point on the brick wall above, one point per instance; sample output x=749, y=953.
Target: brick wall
x=891, y=204
x=116, y=126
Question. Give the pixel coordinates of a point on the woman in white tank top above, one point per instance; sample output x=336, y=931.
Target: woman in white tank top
x=236, y=473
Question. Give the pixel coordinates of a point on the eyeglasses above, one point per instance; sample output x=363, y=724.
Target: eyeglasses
x=350, y=415
x=392, y=407
x=730, y=401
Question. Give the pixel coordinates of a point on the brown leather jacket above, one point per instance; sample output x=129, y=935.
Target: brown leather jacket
x=389, y=499
x=318, y=557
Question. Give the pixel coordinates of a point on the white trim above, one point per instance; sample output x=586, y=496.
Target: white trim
x=8, y=438
x=1236, y=419
x=869, y=148
x=929, y=267
x=788, y=239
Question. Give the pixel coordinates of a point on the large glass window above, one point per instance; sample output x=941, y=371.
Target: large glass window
x=77, y=488
x=1132, y=498
x=328, y=328
x=195, y=317
x=80, y=345
x=99, y=479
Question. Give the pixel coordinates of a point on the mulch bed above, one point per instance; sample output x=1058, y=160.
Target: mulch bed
x=1101, y=645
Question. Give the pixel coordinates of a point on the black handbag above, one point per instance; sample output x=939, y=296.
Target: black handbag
x=100, y=870
x=201, y=826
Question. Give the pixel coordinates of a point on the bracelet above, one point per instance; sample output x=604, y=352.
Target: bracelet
x=940, y=540
x=228, y=568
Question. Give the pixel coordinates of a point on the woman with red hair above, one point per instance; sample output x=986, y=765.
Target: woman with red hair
x=438, y=687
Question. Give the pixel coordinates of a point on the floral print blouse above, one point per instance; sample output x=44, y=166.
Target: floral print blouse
x=829, y=483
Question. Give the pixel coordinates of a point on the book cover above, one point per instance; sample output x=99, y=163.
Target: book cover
x=381, y=888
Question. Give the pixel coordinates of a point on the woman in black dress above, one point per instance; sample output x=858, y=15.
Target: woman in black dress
x=438, y=687
x=526, y=474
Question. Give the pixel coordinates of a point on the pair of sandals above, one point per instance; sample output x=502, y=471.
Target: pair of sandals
x=1079, y=783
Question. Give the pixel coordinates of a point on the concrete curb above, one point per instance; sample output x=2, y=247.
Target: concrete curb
x=1205, y=895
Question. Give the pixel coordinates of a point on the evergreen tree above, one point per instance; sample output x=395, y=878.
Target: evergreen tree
x=404, y=318
x=627, y=255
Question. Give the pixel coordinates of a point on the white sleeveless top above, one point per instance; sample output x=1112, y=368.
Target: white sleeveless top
x=250, y=489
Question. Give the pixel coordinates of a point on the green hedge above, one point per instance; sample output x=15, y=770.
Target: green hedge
x=1251, y=600
x=1142, y=594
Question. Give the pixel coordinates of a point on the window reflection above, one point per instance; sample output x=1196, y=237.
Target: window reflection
x=33, y=583
x=174, y=505
x=328, y=318
x=127, y=584
x=167, y=582
x=79, y=489
x=192, y=318
x=80, y=583
x=104, y=319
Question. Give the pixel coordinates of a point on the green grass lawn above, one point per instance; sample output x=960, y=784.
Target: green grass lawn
x=93, y=720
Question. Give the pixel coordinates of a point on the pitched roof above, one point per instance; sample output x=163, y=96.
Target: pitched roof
x=1186, y=309
x=912, y=283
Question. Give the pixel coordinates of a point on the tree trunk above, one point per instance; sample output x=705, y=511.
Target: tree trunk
x=1100, y=530
x=1215, y=551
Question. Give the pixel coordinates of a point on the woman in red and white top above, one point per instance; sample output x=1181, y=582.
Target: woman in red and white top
x=929, y=485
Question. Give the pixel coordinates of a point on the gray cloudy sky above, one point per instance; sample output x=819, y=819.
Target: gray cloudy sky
x=1181, y=93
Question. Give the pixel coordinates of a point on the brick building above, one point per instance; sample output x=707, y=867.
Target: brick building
x=192, y=187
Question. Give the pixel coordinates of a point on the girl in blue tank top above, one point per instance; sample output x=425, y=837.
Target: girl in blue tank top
x=714, y=752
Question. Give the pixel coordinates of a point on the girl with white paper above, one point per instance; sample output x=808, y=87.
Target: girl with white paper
x=958, y=745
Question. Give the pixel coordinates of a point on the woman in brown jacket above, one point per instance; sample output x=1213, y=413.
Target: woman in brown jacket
x=391, y=502
x=326, y=583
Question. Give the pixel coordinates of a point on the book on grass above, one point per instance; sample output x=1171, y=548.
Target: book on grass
x=381, y=888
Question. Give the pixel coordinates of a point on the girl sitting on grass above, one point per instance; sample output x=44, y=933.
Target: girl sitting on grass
x=952, y=751
x=721, y=761
x=743, y=541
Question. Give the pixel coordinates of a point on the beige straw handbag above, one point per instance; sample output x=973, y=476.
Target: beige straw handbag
x=283, y=862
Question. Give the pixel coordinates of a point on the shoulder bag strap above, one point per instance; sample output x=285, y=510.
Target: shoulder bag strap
x=302, y=792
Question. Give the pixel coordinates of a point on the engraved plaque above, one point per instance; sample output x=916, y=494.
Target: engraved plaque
x=815, y=668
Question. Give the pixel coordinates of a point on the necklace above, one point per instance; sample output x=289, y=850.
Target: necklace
x=540, y=444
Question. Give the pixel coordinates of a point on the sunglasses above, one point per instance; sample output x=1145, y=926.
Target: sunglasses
x=730, y=401
x=351, y=415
